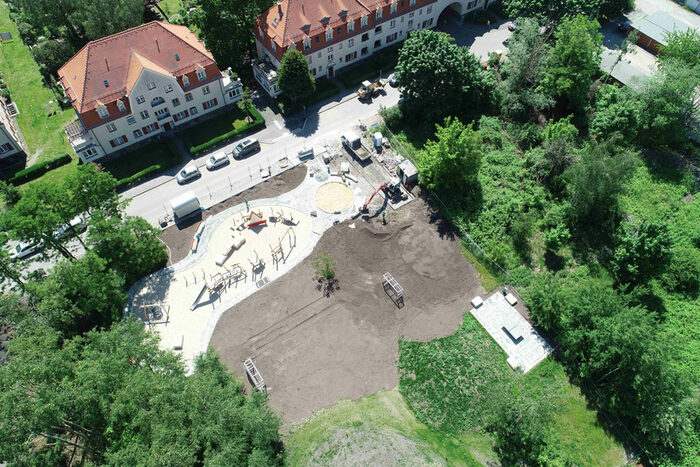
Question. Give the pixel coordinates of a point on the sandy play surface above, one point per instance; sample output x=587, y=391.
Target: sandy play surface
x=313, y=351
x=334, y=197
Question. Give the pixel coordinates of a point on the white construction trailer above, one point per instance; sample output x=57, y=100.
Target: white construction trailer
x=185, y=205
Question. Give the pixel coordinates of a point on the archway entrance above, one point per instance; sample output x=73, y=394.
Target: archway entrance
x=453, y=11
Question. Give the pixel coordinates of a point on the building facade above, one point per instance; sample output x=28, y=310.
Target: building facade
x=140, y=83
x=10, y=139
x=333, y=34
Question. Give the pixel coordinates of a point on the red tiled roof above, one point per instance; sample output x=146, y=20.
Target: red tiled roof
x=292, y=20
x=118, y=57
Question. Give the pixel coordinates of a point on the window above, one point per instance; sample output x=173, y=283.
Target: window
x=430, y=22
x=412, y=2
x=420, y=12
x=157, y=101
x=329, y=49
x=313, y=71
x=318, y=39
x=471, y=5
x=118, y=141
x=130, y=120
x=377, y=43
x=185, y=81
x=274, y=46
x=379, y=13
x=138, y=133
x=168, y=88
x=339, y=31
x=180, y=115
x=260, y=31
x=319, y=55
x=102, y=111
x=364, y=51
x=307, y=43
x=209, y=104
x=162, y=113
x=394, y=5
x=89, y=152
x=391, y=37
x=150, y=128
x=410, y=23
x=340, y=46
x=140, y=99
x=206, y=90
x=392, y=25
x=201, y=73
x=351, y=26
x=193, y=110
x=329, y=34
x=121, y=106
x=330, y=57
x=234, y=92
x=429, y=10
x=176, y=102
x=311, y=59
x=365, y=37
x=111, y=127
x=378, y=30
x=320, y=68
x=363, y=21
x=410, y=15
x=188, y=97
x=151, y=85
x=144, y=114
x=351, y=43
x=351, y=56
x=7, y=147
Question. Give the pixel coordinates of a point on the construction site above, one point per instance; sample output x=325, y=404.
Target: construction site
x=243, y=280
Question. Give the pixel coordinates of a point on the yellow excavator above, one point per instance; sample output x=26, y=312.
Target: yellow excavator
x=372, y=89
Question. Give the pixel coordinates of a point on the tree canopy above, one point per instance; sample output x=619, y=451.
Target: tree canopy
x=553, y=10
x=294, y=78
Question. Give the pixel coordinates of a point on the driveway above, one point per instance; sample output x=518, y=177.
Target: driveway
x=480, y=39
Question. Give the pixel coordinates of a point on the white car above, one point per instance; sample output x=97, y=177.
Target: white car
x=75, y=226
x=190, y=172
x=217, y=160
x=23, y=250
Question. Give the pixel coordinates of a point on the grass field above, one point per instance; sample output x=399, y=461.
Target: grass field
x=157, y=153
x=233, y=118
x=366, y=430
x=170, y=7
x=44, y=134
x=456, y=383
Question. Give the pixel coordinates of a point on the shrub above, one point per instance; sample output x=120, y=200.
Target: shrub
x=37, y=170
x=6, y=95
x=683, y=271
x=258, y=122
x=124, y=182
x=324, y=265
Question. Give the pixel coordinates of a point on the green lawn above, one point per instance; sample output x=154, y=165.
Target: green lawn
x=157, y=153
x=170, y=7
x=44, y=134
x=380, y=423
x=233, y=118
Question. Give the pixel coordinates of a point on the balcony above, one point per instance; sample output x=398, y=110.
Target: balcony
x=162, y=115
x=266, y=75
x=157, y=101
x=78, y=136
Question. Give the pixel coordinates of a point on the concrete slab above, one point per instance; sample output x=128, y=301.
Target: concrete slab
x=524, y=346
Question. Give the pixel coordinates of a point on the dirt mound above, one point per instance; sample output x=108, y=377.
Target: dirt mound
x=362, y=445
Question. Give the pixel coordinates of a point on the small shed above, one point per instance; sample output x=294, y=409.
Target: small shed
x=407, y=172
x=653, y=29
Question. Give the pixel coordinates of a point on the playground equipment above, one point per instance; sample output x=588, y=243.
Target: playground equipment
x=153, y=312
x=286, y=218
x=392, y=187
x=256, y=263
x=218, y=281
x=238, y=241
x=392, y=287
x=197, y=236
x=251, y=219
x=277, y=253
x=254, y=375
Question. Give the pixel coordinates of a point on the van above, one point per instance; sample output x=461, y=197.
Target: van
x=246, y=147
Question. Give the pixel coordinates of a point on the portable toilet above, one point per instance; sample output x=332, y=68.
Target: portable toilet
x=378, y=140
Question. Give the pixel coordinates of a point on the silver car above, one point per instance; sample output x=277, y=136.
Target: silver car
x=245, y=147
x=23, y=250
x=190, y=172
x=217, y=160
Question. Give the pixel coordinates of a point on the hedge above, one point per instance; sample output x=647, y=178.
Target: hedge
x=37, y=170
x=124, y=182
x=258, y=122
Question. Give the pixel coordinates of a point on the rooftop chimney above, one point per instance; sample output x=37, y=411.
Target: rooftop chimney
x=106, y=63
x=157, y=46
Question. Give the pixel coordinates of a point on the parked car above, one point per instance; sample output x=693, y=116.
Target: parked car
x=74, y=226
x=187, y=174
x=393, y=82
x=512, y=26
x=624, y=26
x=246, y=147
x=217, y=160
x=24, y=249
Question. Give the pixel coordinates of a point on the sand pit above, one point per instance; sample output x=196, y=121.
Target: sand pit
x=334, y=197
x=314, y=350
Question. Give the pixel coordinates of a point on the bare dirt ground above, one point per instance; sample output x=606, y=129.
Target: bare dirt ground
x=313, y=350
x=179, y=237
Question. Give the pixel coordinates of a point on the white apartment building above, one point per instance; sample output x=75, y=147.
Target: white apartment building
x=10, y=140
x=333, y=35
x=140, y=83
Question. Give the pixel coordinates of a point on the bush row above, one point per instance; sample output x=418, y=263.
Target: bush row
x=37, y=170
x=124, y=182
x=258, y=122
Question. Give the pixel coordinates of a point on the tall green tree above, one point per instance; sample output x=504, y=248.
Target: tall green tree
x=553, y=10
x=114, y=398
x=294, y=78
x=642, y=252
x=616, y=111
x=452, y=161
x=439, y=78
x=683, y=47
x=123, y=14
x=575, y=59
x=227, y=28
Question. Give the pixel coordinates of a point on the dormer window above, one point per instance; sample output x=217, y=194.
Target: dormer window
x=351, y=25
x=106, y=83
x=177, y=58
x=363, y=22
x=185, y=81
x=307, y=43
x=394, y=5
x=102, y=111
x=379, y=13
x=151, y=85
x=121, y=106
x=292, y=46
x=329, y=34
x=343, y=12
x=168, y=88
x=412, y=3
x=201, y=74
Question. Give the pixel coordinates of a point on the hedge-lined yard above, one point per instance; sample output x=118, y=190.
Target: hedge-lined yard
x=224, y=127
x=142, y=162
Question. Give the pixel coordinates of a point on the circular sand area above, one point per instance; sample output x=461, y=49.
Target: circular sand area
x=334, y=196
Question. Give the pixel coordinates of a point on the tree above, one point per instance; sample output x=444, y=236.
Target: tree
x=575, y=59
x=616, y=111
x=114, y=398
x=324, y=265
x=453, y=160
x=130, y=245
x=556, y=154
x=525, y=71
x=642, y=252
x=553, y=10
x=123, y=14
x=597, y=178
x=294, y=78
x=226, y=27
x=8, y=268
x=612, y=8
x=51, y=56
x=682, y=47
x=247, y=103
x=439, y=78
x=78, y=296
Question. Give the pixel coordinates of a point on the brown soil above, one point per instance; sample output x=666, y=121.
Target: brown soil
x=313, y=350
x=179, y=237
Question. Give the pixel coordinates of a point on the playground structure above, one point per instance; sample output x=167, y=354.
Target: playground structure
x=251, y=219
x=257, y=263
x=277, y=251
x=254, y=375
x=238, y=241
x=153, y=313
x=393, y=289
x=218, y=281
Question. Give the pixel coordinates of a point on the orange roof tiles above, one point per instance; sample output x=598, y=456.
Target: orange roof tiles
x=119, y=59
